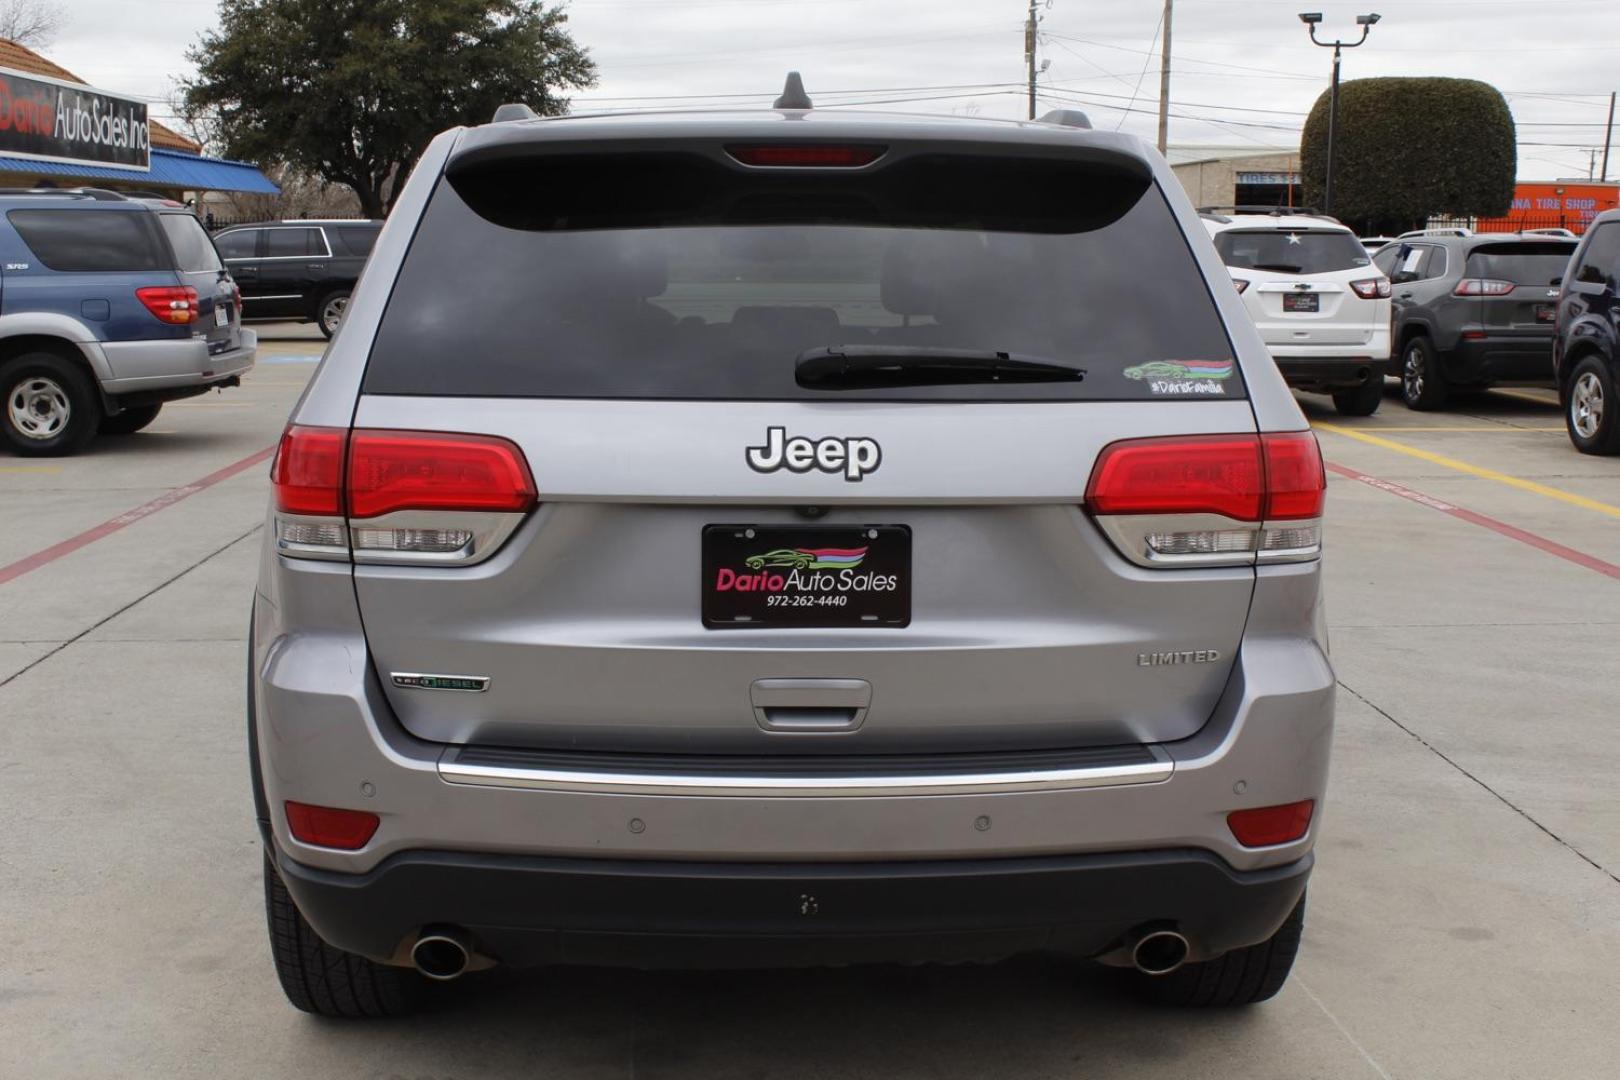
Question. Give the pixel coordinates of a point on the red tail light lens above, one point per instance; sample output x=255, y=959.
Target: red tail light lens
x=327, y=826
x=175, y=304
x=307, y=474
x=1373, y=288
x=1205, y=474
x=1267, y=826
x=806, y=155
x=1296, y=483
x=409, y=470
x=1483, y=287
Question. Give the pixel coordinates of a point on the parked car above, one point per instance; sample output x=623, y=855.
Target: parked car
x=109, y=307
x=1371, y=244
x=529, y=681
x=302, y=271
x=1320, y=305
x=1586, y=344
x=1473, y=311
x=1451, y=230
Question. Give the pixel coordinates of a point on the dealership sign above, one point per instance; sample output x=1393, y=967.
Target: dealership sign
x=52, y=120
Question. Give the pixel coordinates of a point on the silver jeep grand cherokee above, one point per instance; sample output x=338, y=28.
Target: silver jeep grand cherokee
x=790, y=538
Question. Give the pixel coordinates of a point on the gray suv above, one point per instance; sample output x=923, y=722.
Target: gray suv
x=784, y=537
x=1473, y=311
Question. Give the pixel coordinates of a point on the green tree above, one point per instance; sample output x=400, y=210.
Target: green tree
x=352, y=90
x=1408, y=148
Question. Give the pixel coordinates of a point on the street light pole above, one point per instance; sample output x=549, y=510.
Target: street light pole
x=1311, y=19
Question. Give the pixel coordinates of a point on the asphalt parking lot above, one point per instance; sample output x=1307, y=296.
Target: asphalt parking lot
x=1464, y=918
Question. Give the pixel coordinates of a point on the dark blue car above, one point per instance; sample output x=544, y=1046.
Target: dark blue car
x=1586, y=351
x=109, y=307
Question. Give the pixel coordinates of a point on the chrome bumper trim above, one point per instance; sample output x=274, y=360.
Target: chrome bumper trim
x=452, y=771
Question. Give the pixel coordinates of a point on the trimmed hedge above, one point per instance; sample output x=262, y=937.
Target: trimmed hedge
x=1409, y=148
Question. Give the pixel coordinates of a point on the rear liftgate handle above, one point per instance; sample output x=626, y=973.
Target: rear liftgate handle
x=809, y=706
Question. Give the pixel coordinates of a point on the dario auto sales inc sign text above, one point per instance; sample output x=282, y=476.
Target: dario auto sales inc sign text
x=60, y=121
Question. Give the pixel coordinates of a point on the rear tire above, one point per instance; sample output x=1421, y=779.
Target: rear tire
x=1240, y=977
x=50, y=407
x=329, y=312
x=131, y=420
x=326, y=981
x=1592, y=408
x=1423, y=386
x=1360, y=400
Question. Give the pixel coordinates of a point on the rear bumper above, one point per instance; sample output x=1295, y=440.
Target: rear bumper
x=1331, y=372
x=524, y=910
x=1503, y=359
x=153, y=367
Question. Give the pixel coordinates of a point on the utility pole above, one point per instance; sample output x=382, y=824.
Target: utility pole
x=1608, y=136
x=1164, y=81
x=1029, y=55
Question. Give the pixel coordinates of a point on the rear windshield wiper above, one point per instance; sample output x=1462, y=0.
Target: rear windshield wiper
x=1281, y=268
x=851, y=367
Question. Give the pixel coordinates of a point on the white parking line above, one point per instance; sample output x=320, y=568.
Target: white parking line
x=1351, y=1039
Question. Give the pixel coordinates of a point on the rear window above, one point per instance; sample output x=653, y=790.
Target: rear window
x=359, y=241
x=1299, y=251
x=104, y=241
x=1522, y=264
x=671, y=276
x=193, y=251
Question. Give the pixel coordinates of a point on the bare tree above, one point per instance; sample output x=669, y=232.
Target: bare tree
x=33, y=23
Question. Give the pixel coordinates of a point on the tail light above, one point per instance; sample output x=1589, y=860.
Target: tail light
x=1240, y=284
x=397, y=496
x=1377, y=288
x=806, y=155
x=328, y=826
x=176, y=304
x=1211, y=500
x=1267, y=826
x=1483, y=287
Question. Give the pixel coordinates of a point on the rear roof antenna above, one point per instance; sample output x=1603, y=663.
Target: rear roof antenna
x=793, y=95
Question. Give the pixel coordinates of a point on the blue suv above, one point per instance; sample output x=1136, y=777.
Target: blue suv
x=109, y=306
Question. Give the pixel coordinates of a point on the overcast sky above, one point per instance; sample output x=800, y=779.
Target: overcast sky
x=1244, y=71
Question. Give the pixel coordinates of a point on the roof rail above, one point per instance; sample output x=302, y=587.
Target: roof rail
x=1273, y=211
x=1066, y=118
x=514, y=110
x=98, y=194
x=793, y=95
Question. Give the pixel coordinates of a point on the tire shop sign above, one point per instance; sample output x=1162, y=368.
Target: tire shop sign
x=51, y=120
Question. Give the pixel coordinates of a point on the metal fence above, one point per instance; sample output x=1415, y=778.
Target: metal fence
x=1574, y=222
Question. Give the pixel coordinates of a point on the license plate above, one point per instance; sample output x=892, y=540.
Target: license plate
x=1546, y=313
x=222, y=315
x=1302, y=302
x=812, y=575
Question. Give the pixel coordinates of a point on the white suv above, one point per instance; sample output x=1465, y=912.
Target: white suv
x=1321, y=306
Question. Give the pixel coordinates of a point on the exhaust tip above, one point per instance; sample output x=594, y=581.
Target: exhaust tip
x=1159, y=952
x=441, y=954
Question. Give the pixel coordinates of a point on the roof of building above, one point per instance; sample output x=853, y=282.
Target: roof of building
x=22, y=58
x=170, y=169
x=1192, y=155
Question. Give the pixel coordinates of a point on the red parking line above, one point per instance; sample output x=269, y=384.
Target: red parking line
x=129, y=517
x=1540, y=543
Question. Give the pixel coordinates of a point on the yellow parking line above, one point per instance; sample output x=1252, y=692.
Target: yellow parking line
x=1474, y=470
x=1523, y=396
x=1487, y=427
